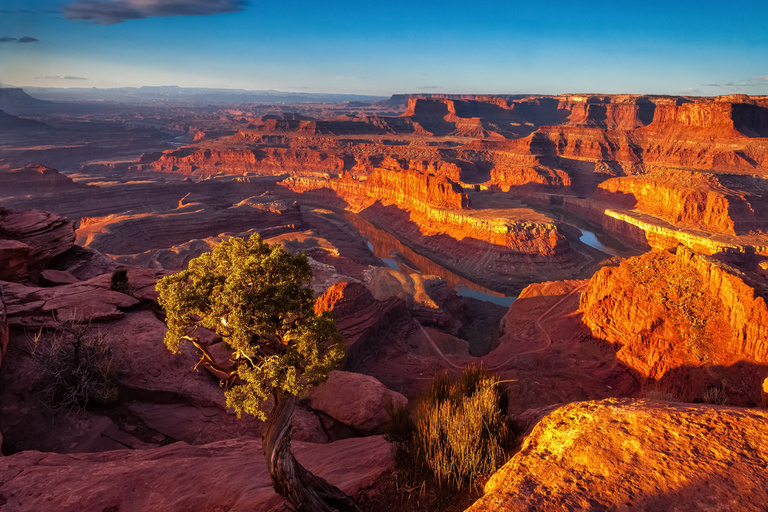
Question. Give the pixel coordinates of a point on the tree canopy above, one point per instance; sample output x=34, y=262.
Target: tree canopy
x=257, y=298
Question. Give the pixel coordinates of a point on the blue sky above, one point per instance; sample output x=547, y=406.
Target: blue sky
x=372, y=47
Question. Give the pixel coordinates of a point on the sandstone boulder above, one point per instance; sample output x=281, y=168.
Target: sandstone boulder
x=636, y=455
x=356, y=400
x=46, y=234
x=226, y=475
x=30, y=306
x=13, y=260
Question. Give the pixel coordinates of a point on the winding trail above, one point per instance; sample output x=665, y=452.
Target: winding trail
x=541, y=328
x=500, y=366
x=436, y=348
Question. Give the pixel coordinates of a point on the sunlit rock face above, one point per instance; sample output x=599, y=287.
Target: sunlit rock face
x=726, y=204
x=638, y=455
x=686, y=318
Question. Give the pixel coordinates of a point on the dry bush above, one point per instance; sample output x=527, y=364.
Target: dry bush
x=458, y=431
x=119, y=281
x=656, y=394
x=77, y=366
x=715, y=395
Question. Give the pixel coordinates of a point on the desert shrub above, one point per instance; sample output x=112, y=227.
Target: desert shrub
x=714, y=395
x=119, y=281
x=77, y=367
x=458, y=430
x=656, y=394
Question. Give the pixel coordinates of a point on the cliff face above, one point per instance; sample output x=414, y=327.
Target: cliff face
x=407, y=189
x=265, y=161
x=432, y=213
x=638, y=455
x=732, y=205
x=669, y=311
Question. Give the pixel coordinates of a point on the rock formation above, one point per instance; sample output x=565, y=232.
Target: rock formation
x=674, y=313
x=229, y=475
x=44, y=234
x=358, y=401
x=636, y=455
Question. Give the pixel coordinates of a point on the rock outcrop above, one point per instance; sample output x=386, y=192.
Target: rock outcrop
x=636, y=455
x=35, y=179
x=45, y=235
x=226, y=475
x=728, y=204
x=358, y=401
x=674, y=313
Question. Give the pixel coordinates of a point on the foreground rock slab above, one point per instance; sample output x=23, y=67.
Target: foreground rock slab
x=227, y=475
x=637, y=455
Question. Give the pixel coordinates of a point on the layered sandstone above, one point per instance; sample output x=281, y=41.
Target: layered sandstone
x=242, y=161
x=147, y=235
x=35, y=179
x=433, y=214
x=44, y=234
x=225, y=475
x=636, y=455
x=673, y=313
x=407, y=189
x=720, y=204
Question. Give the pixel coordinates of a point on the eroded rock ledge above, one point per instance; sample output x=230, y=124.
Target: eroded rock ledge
x=637, y=455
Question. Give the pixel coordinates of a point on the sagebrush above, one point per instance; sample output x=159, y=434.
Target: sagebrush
x=77, y=366
x=457, y=432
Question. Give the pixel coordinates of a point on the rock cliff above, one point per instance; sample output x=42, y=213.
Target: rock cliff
x=636, y=455
x=721, y=204
x=676, y=313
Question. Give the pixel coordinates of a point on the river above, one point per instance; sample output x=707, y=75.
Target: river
x=401, y=257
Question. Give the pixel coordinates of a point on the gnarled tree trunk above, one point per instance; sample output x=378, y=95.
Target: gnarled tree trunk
x=305, y=491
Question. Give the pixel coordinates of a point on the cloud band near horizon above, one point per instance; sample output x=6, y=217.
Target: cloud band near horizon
x=110, y=12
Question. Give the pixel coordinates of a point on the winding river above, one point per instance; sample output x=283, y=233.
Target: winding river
x=401, y=257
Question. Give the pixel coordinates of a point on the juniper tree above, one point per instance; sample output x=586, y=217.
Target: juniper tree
x=257, y=298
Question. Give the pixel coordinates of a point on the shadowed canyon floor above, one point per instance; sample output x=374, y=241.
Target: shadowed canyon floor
x=606, y=256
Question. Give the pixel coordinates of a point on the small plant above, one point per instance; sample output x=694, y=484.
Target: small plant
x=656, y=394
x=458, y=431
x=714, y=395
x=119, y=281
x=78, y=367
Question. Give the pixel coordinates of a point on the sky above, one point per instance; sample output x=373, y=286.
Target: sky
x=380, y=48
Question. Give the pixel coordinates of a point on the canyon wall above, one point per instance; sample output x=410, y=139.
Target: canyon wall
x=666, y=311
x=731, y=205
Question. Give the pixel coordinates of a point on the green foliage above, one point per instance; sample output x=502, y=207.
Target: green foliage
x=119, y=281
x=77, y=367
x=257, y=298
x=458, y=430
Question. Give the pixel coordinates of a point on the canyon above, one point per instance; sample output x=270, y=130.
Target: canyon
x=605, y=255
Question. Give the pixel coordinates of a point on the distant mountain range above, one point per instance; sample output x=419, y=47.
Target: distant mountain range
x=183, y=95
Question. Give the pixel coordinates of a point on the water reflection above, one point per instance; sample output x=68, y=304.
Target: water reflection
x=384, y=245
x=589, y=238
